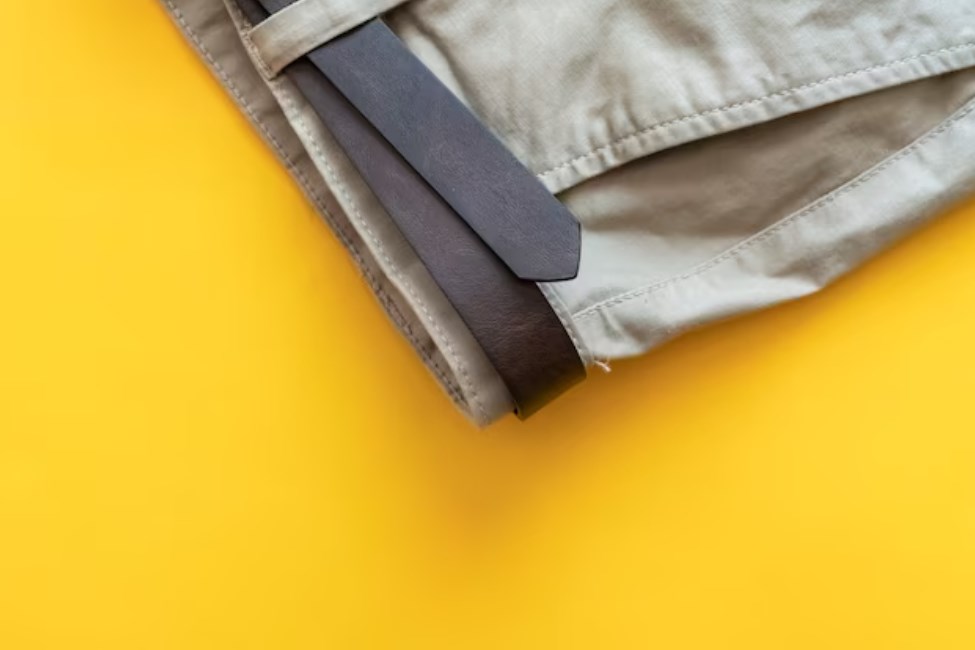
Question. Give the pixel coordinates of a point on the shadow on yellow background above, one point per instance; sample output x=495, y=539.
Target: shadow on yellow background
x=211, y=437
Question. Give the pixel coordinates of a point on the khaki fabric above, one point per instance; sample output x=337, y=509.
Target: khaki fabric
x=721, y=157
x=755, y=217
x=577, y=87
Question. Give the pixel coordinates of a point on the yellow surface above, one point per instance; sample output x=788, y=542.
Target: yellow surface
x=210, y=436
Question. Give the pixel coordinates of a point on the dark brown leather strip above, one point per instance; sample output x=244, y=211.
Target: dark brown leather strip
x=510, y=318
x=531, y=230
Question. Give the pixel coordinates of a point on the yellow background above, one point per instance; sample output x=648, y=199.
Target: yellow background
x=210, y=436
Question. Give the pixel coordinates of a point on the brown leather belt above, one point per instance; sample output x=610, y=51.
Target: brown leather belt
x=482, y=224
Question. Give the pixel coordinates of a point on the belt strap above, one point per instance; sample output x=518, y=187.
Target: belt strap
x=509, y=317
x=527, y=227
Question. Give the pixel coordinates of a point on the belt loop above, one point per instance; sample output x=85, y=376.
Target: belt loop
x=297, y=28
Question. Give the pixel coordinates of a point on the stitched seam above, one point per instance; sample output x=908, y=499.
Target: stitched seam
x=737, y=250
x=302, y=179
x=320, y=155
x=266, y=70
x=384, y=298
x=748, y=102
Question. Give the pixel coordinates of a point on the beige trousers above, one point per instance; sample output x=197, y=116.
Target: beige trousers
x=721, y=156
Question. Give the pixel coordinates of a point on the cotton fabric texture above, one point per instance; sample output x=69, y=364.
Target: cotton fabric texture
x=721, y=156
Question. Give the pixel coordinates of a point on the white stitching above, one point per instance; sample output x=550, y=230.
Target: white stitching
x=737, y=250
x=741, y=104
x=262, y=66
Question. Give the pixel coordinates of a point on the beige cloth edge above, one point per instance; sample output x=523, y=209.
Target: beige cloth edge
x=580, y=87
x=802, y=253
x=449, y=351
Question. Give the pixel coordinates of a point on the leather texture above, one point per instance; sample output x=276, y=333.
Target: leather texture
x=509, y=317
x=523, y=223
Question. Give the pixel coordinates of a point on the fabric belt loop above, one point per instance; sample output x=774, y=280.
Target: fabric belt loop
x=300, y=27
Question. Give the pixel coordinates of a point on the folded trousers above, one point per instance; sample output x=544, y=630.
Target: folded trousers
x=624, y=170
